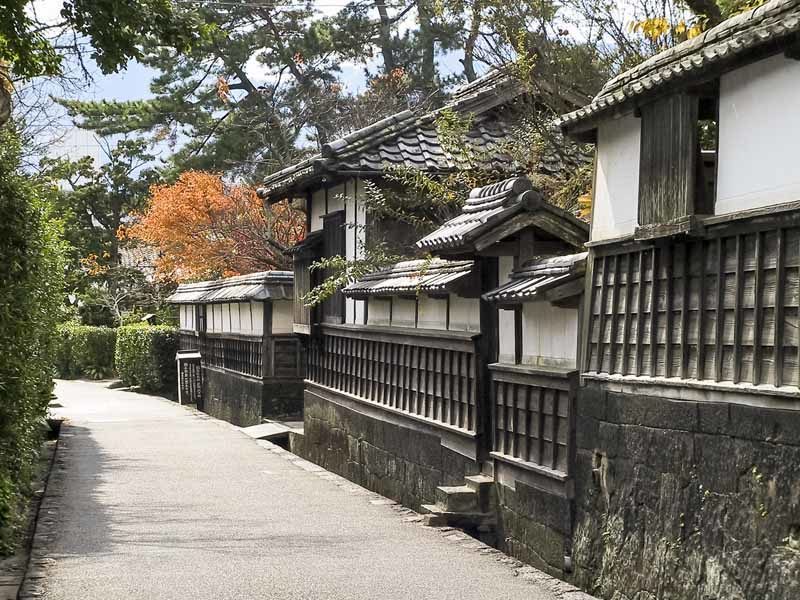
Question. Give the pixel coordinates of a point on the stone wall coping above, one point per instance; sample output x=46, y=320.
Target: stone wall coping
x=763, y=395
x=530, y=466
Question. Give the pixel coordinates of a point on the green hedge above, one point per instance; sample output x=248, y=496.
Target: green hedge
x=31, y=293
x=145, y=356
x=85, y=351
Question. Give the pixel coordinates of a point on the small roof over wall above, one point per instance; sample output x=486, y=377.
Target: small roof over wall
x=308, y=246
x=553, y=279
x=755, y=34
x=266, y=285
x=496, y=211
x=410, y=277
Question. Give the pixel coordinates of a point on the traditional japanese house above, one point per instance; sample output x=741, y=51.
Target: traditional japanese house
x=688, y=461
x=252, y=363
x=331, y=184
x=416, y=403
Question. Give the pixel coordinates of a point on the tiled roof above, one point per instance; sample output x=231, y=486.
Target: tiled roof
x=307, y=245
x=491, y=206
x=767, y=27
x=273, y=285
x=537, y=276
x=411, y=277
x=410, y=139
x=139, y=256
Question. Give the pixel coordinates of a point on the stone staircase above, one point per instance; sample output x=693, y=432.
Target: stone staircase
x=470, y=507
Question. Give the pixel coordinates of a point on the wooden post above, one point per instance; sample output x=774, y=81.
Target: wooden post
x=602, y=321
x=780, y=284
x=267, y=352
x=486, y=353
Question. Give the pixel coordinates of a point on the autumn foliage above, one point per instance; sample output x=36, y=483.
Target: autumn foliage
x=205, y=228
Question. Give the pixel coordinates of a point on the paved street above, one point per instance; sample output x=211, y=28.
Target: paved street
x=153, y=500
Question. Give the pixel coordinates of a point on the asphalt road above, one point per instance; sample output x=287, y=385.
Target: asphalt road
x=153, y=500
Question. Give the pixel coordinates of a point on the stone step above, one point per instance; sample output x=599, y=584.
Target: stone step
x=483, y=485
x=457, y=499
x=476, y=482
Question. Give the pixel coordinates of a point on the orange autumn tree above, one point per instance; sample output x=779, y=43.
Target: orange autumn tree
x=205, y=228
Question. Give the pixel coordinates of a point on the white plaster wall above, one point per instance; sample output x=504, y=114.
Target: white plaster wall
x=549, y=335
x=186, y=314
x=465, y=314
x=317, y=209
x=616, y=194
x=432, y=313
x=226, y=317
x=403, y=312
x=246, y=315
x=236, y=325
x=257, y=315
x=355, y=217
x=217, y=317
x=337, y=197
x=759, y=128
x=378, y=312
x=209, y=317
x=505, y=323
x=282, y=316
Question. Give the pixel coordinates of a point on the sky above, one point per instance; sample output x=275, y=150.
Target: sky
x=133, y=83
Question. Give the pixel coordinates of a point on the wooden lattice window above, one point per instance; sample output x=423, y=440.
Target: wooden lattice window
x=722, y=309
x=533, y=418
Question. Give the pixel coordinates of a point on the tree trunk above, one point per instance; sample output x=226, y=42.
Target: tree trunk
x=472, y=37
x=428, y=41
x=386, y=37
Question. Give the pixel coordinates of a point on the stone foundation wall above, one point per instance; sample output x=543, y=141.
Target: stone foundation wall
x=232, y=398
x=282, y=398
x=401, y=463
x=534, y=526
x=244, y=401
x=686, y=500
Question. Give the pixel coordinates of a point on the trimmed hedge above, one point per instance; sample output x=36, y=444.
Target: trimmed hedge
x=145, y=356
x=85, y=351
x=31, y=293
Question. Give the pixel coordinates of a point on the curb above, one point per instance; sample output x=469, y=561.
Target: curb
x=12, y=579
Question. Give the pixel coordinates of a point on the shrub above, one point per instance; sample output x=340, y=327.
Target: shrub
x=31, y=292
x=85, y=351
x=145, y=356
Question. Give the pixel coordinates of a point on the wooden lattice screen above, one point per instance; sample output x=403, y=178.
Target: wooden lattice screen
x=433, y=378
x=533, y=418
x=723, y=309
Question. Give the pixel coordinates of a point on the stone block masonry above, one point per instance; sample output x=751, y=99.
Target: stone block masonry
x=401, y=463
x=243, y=401
x=686, y=500
x=534, y=526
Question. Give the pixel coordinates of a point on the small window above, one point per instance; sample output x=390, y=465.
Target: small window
x=333, y=233
x=677, y=176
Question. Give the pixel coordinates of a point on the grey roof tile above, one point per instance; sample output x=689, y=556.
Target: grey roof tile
x=775, y=23
x=377, y=146
x=488, y=207
x=531, y=280
x=411, y=277
x=274, y=285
